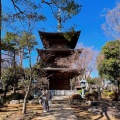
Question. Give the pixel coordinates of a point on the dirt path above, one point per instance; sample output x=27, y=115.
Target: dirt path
x=13, y=112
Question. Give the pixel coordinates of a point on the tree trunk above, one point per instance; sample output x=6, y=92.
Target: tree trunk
x=21, y=56
x=28, y=88
x=14, y=89
x=6, y=88
x=25, y=98
x=14, y=72
x=118, y=85
x=25, y=103
x=99, y=94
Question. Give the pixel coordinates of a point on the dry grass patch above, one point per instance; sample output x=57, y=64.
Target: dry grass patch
x=14, y=111
x=82, y=113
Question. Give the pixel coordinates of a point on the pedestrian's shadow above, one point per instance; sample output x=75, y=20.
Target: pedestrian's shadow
x=103, y=112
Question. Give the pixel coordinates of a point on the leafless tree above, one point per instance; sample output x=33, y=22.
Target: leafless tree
x=112, y=24
x=84, y=62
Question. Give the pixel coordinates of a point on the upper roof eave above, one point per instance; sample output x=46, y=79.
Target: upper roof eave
x=56, y=33
x=46, y=37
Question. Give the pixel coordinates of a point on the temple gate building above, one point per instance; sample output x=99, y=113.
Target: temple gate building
x=56, y=45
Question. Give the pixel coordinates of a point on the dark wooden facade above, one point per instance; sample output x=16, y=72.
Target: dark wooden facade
x=55, y=46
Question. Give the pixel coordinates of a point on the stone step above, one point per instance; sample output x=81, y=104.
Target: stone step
x=60, y=100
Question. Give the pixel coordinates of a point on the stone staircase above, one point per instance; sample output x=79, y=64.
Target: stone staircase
x=60, y=100
x=61, y=96
x=63, y=92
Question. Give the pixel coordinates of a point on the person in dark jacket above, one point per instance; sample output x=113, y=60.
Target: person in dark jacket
x=45, y=99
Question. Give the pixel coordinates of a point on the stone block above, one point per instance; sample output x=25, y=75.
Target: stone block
x=14, y=101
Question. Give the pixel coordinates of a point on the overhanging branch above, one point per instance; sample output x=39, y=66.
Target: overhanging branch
x=15, y=6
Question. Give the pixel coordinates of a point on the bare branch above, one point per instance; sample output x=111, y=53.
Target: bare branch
x=48, y=3
x=15, y=6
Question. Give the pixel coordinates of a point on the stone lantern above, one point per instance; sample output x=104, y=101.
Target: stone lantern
x=83, y=86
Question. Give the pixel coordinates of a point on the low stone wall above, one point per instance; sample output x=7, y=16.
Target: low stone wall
x=34, y=101
x=14, y=101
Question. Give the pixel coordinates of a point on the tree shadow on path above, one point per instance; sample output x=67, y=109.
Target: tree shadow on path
x=104, y=113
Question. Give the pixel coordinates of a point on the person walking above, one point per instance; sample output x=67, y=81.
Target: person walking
x=45, y=98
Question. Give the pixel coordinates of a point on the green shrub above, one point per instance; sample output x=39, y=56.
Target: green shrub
x=1, y=90
x=106, y=90
x=76, y=96
x=110, y=93
x=80, y=91
x=106, y=93
x=91, y=96
x=15, y=96
x=30, y=97
x=114, y=96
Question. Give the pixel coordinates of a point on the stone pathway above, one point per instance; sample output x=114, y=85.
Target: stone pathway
x=58, y=112
x=61, y=110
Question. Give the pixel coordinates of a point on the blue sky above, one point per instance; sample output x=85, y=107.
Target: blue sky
x=89, y=21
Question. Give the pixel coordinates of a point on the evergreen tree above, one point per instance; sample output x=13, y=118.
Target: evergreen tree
x=109, y=61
